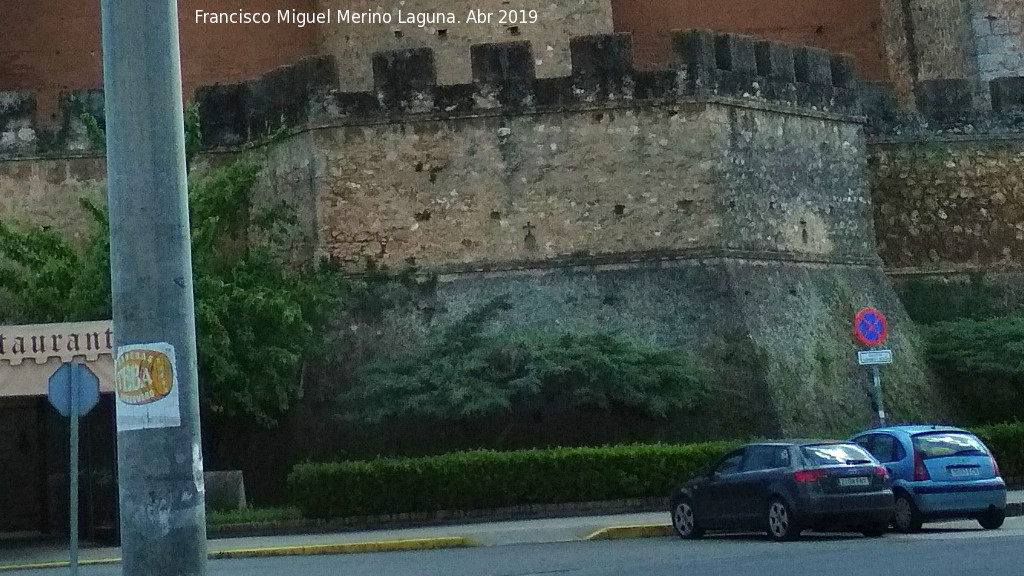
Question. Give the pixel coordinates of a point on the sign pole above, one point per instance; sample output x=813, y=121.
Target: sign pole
x=159, y=451
x=870, y=328
x=73, y=512
x=877, y=374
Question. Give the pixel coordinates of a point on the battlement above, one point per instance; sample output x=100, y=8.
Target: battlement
x=706, y=65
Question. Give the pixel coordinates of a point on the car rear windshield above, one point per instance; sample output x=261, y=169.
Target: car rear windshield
x=940, y=444
x=835, y=454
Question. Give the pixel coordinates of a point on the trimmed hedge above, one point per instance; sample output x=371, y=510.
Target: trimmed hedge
x=487, y=479
x=1007, y=443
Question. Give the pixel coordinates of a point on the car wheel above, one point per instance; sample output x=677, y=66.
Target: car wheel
x=992, y=519
x=684, y=521
x=906, y=517
x=782, y=525
x=875, y=529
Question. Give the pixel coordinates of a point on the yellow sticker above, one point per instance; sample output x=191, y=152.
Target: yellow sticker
x=143, y=376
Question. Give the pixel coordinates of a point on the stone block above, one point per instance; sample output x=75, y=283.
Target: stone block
x=774, y=61
x=505, y=71
x=225, y=490
x=943, y=98
x=1007, y=94
x=602, y=66
x=282, y=96
x=222, y=113
x=812, y=66
x=735, y=53
x=234, y=113
x=17, y=112
x=844, y=71
x=694, y=49
x=404, y=80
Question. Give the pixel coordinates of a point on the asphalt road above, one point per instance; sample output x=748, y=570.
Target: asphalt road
x=954, y=549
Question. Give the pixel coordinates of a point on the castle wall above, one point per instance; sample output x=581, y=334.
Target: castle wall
x=731, y=181
x=556, y=21
x=941, y=32
x=850, y=26
x=999, y=35
x=45, y=192
x=559, y=185
x=942, y=205
x=54, y=46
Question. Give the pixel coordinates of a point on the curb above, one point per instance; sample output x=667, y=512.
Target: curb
x=637, y=531
x=347, y=548
x=61, y=564
x=656, y=530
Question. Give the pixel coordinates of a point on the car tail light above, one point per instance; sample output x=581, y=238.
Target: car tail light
x=920, y=471
x=995, y=465
x=813, y=475
x=881, y=471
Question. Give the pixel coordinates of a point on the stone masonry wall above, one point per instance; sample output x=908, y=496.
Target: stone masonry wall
x=999, y=35
x=45, y=192
x=671, y=179
x=949, y=204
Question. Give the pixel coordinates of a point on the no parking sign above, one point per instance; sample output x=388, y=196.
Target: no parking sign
x=870, y=327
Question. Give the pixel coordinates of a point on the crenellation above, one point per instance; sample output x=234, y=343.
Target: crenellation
x=735, y=53
x=812, y=66
x=504, y=81
x=775, y=61
x=946, y=97
x=232, y=114
x=16, y=126
x=1007, y=94
x=602, y=67
x=405, y=80
x=504, y=74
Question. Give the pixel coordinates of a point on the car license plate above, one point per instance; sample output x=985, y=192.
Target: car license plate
x=855, y=481
x=964, y=472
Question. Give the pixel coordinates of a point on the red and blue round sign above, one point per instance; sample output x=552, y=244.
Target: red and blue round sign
x=870, y=327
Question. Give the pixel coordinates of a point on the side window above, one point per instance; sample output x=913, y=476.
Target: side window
x=781, y=457
x=759, y=458
x=883, y=447
x=731, y=464
x=899, y=452
x=870, y=443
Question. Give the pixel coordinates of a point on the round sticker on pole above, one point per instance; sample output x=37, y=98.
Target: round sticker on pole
x=870, y=327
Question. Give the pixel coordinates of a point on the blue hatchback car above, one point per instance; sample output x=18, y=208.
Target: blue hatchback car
x=938, y=472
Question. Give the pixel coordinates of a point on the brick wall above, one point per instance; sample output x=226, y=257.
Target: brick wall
x=850, y=26
x=53, y=46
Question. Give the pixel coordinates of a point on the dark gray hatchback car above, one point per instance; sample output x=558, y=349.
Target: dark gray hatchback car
x=784, y=487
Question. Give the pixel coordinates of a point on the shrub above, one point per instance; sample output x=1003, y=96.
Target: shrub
x=464, y=372
x=979, y=364
x=1007, y=443
x=487, y=479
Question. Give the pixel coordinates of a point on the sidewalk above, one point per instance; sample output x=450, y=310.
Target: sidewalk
x=55, y=553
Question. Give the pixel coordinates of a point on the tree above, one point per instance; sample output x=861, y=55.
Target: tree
x=257, y=318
